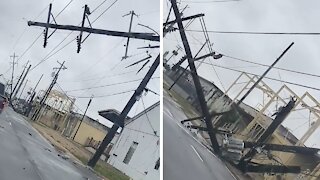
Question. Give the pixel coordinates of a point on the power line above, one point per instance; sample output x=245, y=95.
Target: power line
x=102, y=96
x=283, y=69
x=68, y=96
x=274, y=79
x=106, y=85
x=257, y=33
x=94, y=77
x=213, y=1
x=146, y=113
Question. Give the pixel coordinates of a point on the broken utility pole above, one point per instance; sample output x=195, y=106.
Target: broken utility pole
x=36, y=114
x=81, y=29
x=244, y=163
x=119, y=122
x=195, y=77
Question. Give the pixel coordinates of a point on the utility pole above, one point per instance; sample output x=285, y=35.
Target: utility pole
x=90, y=30
x=195, y=77
x=45, y=96
x=13, y=63
x=14, y=89
x=92, y=162
x=25, y=75
x=23, y=88
x=33, y=92
x=130, y=26
x=84, y=114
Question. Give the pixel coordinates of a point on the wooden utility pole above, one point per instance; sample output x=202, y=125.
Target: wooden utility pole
x=13, y=64
x=195, y=77
x=120, y=120
x=14, y=89
x=130, y=26
x=35, y=116
x=23, y=88
x=81, y=29
x=25, y=75
x=84, y=114
x=33, y=92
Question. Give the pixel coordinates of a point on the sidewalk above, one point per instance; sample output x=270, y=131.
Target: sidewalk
x=78, y=153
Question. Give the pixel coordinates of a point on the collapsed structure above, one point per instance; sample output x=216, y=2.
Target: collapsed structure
x=280, y=148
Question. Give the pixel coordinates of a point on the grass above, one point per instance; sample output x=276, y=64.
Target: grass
x=105, y=170
x=188, y=109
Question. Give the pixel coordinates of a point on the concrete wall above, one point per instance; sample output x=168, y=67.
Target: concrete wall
x=141, y=166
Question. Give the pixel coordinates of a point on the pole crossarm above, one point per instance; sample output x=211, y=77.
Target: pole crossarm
x=283, y=148
x=184, y=19
x=144, y=36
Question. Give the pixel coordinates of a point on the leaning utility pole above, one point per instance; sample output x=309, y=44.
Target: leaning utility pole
x=25, y=75
x=14, y=89
x=33, y=91
x=84, y=114
x=130, y=26
x=35, y=116
x=13, y=63
x=90, y=30
x=195, y=77
x=23, y=88
x=120, y=120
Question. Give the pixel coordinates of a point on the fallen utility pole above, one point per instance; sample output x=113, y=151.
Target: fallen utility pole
x=119, y=122
x=264, y=74
x=144, y=36
x=283, y=148
x=262, y=168
x=195, y=77
x=84, y=114
x=244, y=161
x=35, y=116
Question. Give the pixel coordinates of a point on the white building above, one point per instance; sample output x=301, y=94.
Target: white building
x=59, y=101
x=137, y=150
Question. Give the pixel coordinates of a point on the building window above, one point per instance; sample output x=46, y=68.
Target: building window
x=156, y=167
x=130, y=152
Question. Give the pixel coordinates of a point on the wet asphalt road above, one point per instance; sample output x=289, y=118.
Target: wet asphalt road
x=25, y=154
x=184, y=157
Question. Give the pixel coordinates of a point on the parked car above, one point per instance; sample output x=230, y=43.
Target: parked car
x=3, y=98
x=3, y=102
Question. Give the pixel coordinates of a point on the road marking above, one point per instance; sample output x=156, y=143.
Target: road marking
x=201, y=145
x=196, y=152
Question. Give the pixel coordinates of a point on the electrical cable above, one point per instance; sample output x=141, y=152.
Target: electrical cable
x=274, y=79
x=257, y=33
x=146, y=113
x=102, y=96
x=106, y=85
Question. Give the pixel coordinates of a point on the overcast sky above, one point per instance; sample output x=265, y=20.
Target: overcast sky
x=258, y=16
x=99, y=61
